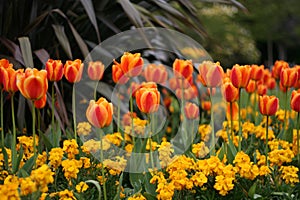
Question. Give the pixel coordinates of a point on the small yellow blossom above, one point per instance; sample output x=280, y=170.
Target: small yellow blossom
x=84, y=128
x=55, y=156
x=71, y=148
x=81, y=187
x=289, y=174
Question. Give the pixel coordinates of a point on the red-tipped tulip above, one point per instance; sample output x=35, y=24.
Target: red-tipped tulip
x=41, y=102
x=131, y=64
x=295, y=101
x=118, y=75
x=251, y=87
x=4, y=64
x=288, y=77
x=156, y=73
x=240, y=76
x=10, y=79
x=278, y=66
x=257, y=72
x=210, y=74
x=183, y=68
x=191, y=110
x=147, y=99
x=99, y=113
x=268, y=105
x=33, y=84
x=55, y=70
x=73, y=70
x=230, y=92
x=95, y=70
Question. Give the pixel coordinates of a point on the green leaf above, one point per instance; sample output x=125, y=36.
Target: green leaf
x=46, y=140
x=5, y=158
x=27, y=167
x=22, y=173
x=96, y=183
x=117, y=196
x=16, y=160
x=149, y=196
x=26, y=51
x=42, y=55
x=251, y=191
x=150, y=188
x=89, y=8
x=63, y=39
x=136, y=180
x=131, y=12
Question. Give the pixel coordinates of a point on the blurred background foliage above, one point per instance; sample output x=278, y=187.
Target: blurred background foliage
x=231, y=31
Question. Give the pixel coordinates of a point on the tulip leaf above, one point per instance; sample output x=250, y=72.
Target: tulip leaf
x=131, y=12
x=26, y=51
x=63, y=39
x=96, y=183
x=13, y=48
x=42, y=55
x=136, y=180
x=89, y=8
x=251, y=191
x=27, y=167
x=16, y=160
x=149, y=196
x=150, y=188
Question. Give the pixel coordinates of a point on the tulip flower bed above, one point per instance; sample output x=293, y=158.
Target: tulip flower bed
x=171, y=144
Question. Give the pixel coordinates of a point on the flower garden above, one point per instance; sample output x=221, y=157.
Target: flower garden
x=250, y=153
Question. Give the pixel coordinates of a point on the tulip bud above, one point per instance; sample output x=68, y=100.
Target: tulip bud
x=54, y=70
x=183, y=68
x=41, y=102
x=210, y=74
x=4, y=64
x=10, y=79
x=156, y=73
x=131, y=64
x=232, y=114
x=268, y=105
x=147, y=99
x=257, y=72
x=288, y=77
x=278, y=66
x=240, y=76
x=230, y=92
x=261, y=89
x=99, y=113
x=118, y=75
x=95, y=70
x=251, y=87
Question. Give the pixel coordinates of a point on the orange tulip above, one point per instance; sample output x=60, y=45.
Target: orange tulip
x=210, y=74
x=271, y=83
x=95, y=70
x=251, y=87
x=33, y=83
x=73, y=70
x=189, y=93
x=99, y=113
x=179, y=83
x=4, y=64
x=183, y=68
x=295, y=101
x=230, y=92
x=206, y=105
x=278, y=66
x=261, y=89
x=41, y=102
x=268, y=105
x=55, y=70
x=156, y=73
x=118, y=75
x=240, y=76
x=257, y=72
x=131, y=64
x=10, y=79
x=234, y=112
x=288, y=77
x=147, y=99
x=191, y=110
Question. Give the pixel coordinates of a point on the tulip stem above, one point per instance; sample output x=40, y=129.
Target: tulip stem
x=14, y=139
x=298, y=137
x=52, y=116
x=150, y=118
x=240, y=126
x=2, y=128
x=267, y=140
x=131, y=116
x=255, y=106
x=101, y=160
x=33, y=129
x=213, y=153
x=95, y=90
x=285, y=111
x=74, y=111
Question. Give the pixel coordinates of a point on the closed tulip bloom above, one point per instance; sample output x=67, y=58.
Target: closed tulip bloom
x=118, y=75
x=257, y=72
x=262, y=89
x=73, y=70
x=33, y=84
x=210, y=74
x=288, y=77
x=4, y=64
x=295, y=101
x=271, y=83
x=234, y=112
x=156, y=73
x=268, y=105
x=278, y=66
x=95, y=70
x=183, y=68
x=41, y=102
x=240, y=76
x=131, y=64
x=10, y=79
x=99, y=113
x=206, y=105
x=251, y=87
x=147, y=99
x=230, y=92
x=55, y=70
x=179, y=83
x=191, y=110
x=188, y=94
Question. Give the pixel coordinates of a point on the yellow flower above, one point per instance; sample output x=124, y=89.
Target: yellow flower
x=71, y=148
x=41, y=159
x=200, y=150
x=223, y=184
x=71, y=168
x=115, y=138
x=137, y=197
x=199, y=179
x=81, y=187
x=165, y=151
x=27, y=145
x=28, y=186
x=42, y=176
x=84, y=128
x=55, y=157
x=117, y=166
x=86, y=162
x=66, y=195
x=205, y=131
x=289, y=174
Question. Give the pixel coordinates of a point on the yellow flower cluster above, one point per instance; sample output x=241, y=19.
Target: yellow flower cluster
x=27, y=145
x=165, y=151
x=71, y=148
x=41, y=159
x=245, y=167
x=55, y=156
x=289, y=174
x=204, y=130
x=84, y=128
x=116, y=166
x=64, y=195
x=71, y=168
x=9, y=190
x=200, y=150
x=260, y=132
x=42, y=176
x=137, y=197
x=165, y=190
x=81, y=187
x=139, y=126
x=115, y=138
x=280, y=153
x=92, y=146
